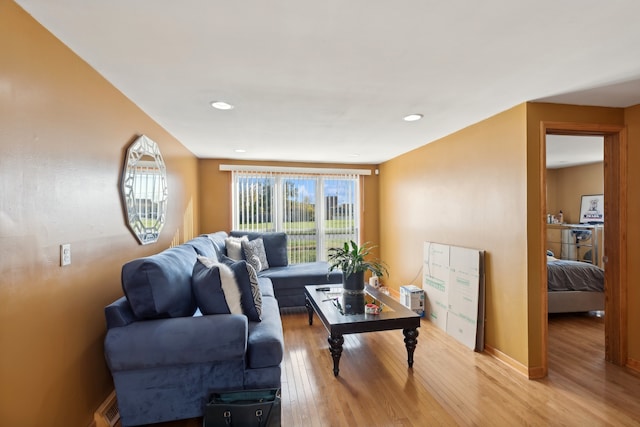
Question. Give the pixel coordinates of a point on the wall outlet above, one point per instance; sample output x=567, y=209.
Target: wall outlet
x=65, y=254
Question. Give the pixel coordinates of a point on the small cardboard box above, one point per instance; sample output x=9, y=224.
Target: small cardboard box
x=412, y=297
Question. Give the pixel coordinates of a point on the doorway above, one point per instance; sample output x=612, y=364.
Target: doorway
x=615, y=188
x=575, y=181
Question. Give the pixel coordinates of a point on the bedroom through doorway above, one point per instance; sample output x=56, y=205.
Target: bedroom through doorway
x=614, y=229
x=575, y=243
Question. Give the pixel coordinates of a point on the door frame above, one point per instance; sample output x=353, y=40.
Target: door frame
x=615, y=233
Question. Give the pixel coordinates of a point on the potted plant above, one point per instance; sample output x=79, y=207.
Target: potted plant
x=353, y=261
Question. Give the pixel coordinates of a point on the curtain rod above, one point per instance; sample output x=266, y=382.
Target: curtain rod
x=287, y=169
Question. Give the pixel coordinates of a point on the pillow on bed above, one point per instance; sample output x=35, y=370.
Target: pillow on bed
x=551, y=258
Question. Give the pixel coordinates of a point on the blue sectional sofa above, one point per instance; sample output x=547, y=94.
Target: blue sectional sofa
x=171, y=340
x=289, y=280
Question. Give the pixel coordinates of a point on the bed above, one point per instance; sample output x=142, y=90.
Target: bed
x=574, y=286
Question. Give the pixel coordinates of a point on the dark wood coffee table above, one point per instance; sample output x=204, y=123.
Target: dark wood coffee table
x=338, y=320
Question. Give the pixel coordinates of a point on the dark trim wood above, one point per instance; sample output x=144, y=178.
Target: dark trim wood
x=543, y=369
x=615, y=237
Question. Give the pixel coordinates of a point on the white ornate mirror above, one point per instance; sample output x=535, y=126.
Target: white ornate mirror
x=144, y=189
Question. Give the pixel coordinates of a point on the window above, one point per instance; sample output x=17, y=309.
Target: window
x=316, y=210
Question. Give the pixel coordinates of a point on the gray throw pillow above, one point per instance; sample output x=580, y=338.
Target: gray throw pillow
x=255, y=254
x=255, y=289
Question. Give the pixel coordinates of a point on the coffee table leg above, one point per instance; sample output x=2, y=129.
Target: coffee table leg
x=410, y=341
x=335, y=347
x=309, y=310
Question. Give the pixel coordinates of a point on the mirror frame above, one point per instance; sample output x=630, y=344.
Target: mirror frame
x=144, y=189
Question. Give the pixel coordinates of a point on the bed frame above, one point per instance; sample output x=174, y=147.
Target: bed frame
x=575, y=301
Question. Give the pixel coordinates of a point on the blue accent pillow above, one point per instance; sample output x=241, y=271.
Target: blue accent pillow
x=243, y=278
x=207, y=289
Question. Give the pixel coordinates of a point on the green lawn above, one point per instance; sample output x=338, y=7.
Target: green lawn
x=302, y=237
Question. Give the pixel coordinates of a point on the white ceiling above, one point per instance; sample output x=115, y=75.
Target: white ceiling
x=564, y=151
x=330, y=81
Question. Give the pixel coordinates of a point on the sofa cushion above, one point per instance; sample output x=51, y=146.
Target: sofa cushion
x=163, y=343
x=297, y=276
x=203, y=246
x=266, y=287
x=265, y=344
x=207, y=289
x=159, y=286
x=275, y=245
x=255, y=254
x=218, y=239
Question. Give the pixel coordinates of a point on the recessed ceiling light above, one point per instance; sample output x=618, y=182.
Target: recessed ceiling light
x=412, y=117
x=221, y=105
x=240, y=150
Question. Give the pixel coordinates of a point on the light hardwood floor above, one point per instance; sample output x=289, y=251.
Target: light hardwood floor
x=449, y=384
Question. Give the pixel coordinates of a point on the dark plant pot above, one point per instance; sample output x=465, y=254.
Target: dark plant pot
x=353, y=302
x=354, y=283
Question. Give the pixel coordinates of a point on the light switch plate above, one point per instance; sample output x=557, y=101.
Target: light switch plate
x=65, y=254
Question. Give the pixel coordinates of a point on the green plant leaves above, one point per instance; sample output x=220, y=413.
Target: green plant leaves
x=351, y=258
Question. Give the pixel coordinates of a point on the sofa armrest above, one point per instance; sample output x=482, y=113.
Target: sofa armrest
x=177, y=341
x=119, y=313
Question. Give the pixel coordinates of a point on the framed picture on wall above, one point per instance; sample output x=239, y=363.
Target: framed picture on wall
x=592, y=209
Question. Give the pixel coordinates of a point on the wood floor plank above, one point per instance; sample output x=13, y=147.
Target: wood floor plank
x=449, y=384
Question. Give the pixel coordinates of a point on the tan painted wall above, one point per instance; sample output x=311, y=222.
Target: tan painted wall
x=632, y=118
x=424, y=196
x=552, y=191
x=63, y=135
x=569, y=185
x=536, y=114
x=467, y=189
x=215, y=193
